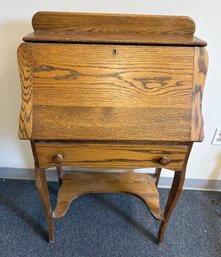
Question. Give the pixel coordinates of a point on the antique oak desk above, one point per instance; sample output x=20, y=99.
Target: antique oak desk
x=111, y=91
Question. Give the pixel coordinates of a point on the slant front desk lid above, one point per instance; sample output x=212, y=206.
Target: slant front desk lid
x=113, y=29
x=112, y=77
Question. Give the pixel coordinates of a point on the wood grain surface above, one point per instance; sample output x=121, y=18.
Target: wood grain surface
x=113, y=38
x=117, y=23
x=110, y=155
x=42, y=187
x=200, y=72
x=174, y=194
x=24, y=55
x=121, y=91
x=78, y=183
x=112, y=92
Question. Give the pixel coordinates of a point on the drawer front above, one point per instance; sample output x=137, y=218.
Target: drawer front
x=112, y=92
x=111, y=155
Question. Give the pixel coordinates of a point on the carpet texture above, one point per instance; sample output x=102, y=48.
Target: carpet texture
x=107, y=225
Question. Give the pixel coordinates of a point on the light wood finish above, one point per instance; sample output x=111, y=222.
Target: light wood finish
x=113, y=28
x=113, y=23
x=113, y=38
x=79, y=183
x=111, y=91
x=175, y=191
x=25, y=62
x=136, y=92
x=133, y=95
x=200, y=71
x=110, y=154
x=42, y=188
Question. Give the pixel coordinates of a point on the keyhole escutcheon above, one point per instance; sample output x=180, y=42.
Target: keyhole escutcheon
x=114, y=51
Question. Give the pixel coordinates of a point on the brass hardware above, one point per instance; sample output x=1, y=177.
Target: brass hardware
x=58, y=158
x=164, y=160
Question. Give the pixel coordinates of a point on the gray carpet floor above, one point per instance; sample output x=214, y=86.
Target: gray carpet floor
x=107, y=225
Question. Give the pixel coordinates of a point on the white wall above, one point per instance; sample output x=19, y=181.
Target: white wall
x=15, y=22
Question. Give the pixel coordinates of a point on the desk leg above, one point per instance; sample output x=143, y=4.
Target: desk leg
x=42, y=187
x=176, y=189
x=157, y=174
x=60, y=174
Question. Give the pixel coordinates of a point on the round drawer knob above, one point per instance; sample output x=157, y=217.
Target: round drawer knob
x=164, y=160
x=58, y=158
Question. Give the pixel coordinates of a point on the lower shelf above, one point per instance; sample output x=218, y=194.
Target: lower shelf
x=75, y=184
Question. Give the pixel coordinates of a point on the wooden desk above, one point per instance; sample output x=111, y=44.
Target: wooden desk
x=111, y=91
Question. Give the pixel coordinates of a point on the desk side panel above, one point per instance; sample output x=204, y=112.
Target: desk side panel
x=24, y=56
x=200, y=72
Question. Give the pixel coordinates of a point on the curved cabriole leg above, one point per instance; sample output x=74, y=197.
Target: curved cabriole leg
x=176, y=189
x=157, y=174
x=42, y=188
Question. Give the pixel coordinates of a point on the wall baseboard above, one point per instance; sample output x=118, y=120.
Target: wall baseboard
x=165, y=182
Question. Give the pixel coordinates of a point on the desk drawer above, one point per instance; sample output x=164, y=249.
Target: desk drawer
x=111, y=155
